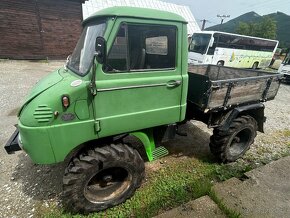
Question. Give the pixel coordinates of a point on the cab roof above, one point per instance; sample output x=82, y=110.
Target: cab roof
x=123, y=11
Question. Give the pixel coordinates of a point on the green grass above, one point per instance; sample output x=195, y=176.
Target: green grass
x=177, y=182
x=229, y=212
x=286, y=133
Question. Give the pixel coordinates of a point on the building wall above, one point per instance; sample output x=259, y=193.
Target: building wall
x=38, y=29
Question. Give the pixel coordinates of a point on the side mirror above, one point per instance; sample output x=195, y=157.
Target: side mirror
x=101, y=50
x=211, y=42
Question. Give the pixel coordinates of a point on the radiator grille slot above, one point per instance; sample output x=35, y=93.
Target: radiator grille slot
x=43, y=114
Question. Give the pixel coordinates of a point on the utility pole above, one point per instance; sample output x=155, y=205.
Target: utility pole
x=222, y=17
x=203, y=23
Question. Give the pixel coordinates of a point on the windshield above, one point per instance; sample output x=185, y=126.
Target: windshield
x=82, y=56
x=287, y=59
x=199, y=42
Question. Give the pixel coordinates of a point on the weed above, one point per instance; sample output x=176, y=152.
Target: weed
x=286, y=133
x=229, y=212
x=174, y=184
x=179, y=181
x=224, y=172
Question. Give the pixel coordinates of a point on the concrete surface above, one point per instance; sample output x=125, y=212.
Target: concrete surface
x=23, y=184
x=265, y=193
x=202, y=207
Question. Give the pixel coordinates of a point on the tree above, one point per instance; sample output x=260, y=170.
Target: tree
x=266, y=28
x=243, y=29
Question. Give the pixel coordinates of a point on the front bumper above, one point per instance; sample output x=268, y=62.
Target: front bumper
x=35, y=141
x=12, y=144
x=287, y=77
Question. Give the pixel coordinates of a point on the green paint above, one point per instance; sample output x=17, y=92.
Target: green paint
x=134, y=12
x=159, y=152
x=146, y=137
x=82, y=109
x=49, y=131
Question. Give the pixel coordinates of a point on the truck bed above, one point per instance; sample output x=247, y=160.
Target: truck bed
x=213, y=88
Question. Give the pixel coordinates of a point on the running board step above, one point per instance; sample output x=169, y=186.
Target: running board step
x=159, y=152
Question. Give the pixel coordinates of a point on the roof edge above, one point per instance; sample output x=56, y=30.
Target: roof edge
x=136, y=12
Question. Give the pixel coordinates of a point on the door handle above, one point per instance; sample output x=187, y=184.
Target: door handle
x=173, y=83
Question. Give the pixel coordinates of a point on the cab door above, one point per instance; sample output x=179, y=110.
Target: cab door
x=140, y=85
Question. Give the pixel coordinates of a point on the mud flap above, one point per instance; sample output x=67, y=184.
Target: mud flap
x=12, y=144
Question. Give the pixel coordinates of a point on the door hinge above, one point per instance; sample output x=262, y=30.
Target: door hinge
x=97, y=126
x=93, y=88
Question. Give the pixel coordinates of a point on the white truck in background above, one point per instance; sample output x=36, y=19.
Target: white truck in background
x=285, y=67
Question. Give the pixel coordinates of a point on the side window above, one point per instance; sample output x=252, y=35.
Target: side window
x=211, y=50
x=287, y=59
x=157, y=45
x=143, y=47
x=117, y=59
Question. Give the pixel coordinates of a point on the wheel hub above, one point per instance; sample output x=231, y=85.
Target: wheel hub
x=107, y=184
x=236, y=139
x=240, y=142
x=107, y=178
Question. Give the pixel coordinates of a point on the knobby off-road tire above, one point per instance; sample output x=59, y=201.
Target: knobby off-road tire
x=230, y=145
x=220, y=63
x=101, y=178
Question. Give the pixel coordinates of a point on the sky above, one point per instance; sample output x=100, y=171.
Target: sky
x=209, y=9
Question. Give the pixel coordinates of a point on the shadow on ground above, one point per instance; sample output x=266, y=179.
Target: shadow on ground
x=44, y=182
x=195, y=144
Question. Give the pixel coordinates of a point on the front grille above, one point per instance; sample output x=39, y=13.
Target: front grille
x=43, y=114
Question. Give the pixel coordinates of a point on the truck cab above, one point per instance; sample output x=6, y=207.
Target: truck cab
x=139, y=85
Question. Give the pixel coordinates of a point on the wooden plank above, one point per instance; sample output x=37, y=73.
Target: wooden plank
x=247, y=86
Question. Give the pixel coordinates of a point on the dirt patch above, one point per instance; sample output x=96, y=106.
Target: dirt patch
x=13, y=112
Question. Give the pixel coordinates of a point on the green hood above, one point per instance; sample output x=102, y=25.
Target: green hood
x=44, y=84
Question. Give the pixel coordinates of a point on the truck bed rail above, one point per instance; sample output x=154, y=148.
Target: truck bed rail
x=213, y=88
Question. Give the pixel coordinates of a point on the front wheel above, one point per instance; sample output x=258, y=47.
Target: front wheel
x=232, y=144
x=101, y=178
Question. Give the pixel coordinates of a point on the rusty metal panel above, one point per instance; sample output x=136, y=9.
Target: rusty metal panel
x=272, y=92
x=247, y=91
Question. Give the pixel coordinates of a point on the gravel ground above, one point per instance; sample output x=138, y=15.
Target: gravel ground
x=27, y=189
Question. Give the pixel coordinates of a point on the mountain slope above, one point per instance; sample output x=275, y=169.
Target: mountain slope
x=282, y=22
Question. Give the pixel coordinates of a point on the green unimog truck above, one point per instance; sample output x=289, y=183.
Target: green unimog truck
x=129, y=76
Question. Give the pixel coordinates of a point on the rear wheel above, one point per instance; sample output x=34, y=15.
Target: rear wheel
x=232, y=144
x=220, y=63
x=101, y=178
x=255, y=66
